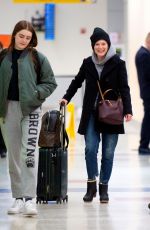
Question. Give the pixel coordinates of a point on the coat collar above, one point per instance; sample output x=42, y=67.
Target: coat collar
x=91, y=69
x=108, y=67
x=23, y=54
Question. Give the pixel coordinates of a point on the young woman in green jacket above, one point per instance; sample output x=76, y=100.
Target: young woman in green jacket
x=22, y=92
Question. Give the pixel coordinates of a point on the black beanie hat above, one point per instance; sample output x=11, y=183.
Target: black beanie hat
x=99, y=34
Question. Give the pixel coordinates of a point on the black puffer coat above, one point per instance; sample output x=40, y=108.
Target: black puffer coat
x=113, y=76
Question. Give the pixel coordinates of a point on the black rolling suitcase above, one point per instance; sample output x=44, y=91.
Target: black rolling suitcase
x=53, y=169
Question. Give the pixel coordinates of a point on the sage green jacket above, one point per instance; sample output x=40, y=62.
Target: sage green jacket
x=31, y=94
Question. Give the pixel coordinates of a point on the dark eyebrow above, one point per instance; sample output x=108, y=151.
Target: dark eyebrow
x=25, y=36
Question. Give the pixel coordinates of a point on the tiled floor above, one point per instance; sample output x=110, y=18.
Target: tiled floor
x=129, y=192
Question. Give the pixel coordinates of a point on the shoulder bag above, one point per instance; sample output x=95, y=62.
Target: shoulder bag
x=110, y=111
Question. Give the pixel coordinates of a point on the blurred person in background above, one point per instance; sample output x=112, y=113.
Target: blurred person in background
x=142, y=62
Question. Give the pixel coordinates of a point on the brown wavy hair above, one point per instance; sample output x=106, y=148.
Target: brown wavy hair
x=24, y=25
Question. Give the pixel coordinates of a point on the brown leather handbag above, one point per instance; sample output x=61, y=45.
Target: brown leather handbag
x=110, y=111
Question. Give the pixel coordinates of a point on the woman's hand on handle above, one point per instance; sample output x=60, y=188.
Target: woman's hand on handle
x=63, y=102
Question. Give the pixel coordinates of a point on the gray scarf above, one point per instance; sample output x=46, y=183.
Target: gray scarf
x=99, y=65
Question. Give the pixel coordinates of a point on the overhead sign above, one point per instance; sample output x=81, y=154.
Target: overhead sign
x=50, y=21
x=54, y=1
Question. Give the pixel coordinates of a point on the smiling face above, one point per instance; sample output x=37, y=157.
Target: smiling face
x=22, y=39
x=100, y=49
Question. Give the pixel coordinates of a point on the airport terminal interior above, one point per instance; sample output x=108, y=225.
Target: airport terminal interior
x=129, y=186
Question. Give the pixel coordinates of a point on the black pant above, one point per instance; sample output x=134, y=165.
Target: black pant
x=2, y=144
x=145, y=128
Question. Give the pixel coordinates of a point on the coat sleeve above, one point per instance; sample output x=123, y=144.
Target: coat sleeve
x=124, y=89
x=75, y=83
x=142, y=61
x=143, y=66
x=47, y=80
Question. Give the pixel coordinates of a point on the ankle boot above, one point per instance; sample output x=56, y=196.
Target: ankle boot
x=91, y=191
x=103, y=193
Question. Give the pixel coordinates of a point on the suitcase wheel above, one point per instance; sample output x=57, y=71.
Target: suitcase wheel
x=41, y=200
x=38, y=200
x=58, y=200
x=45, y=202
x=65, y=199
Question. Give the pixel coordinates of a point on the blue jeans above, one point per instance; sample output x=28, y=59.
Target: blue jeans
x=92, y=140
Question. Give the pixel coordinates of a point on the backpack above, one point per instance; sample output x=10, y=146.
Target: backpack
x=53, y=130
x=50, y=129
x=36, y=60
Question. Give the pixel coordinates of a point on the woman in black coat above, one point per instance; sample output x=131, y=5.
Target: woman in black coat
x=105, y=66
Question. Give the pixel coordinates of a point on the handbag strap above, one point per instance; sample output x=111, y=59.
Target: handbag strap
x=100, y=91
x=103, y=94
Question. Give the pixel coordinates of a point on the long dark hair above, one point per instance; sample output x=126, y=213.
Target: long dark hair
x=23, y=25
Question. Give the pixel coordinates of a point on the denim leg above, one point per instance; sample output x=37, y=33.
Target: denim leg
x=109, y=142
x=92, y=139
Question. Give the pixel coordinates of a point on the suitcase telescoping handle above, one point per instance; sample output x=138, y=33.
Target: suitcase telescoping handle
x=64, y=136
x=63, y=112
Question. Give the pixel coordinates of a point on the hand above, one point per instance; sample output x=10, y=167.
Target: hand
x=63, y=102
x=128, y=117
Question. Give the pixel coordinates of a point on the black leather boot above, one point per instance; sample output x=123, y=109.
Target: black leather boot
x=91, y=191
x=103, y=193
